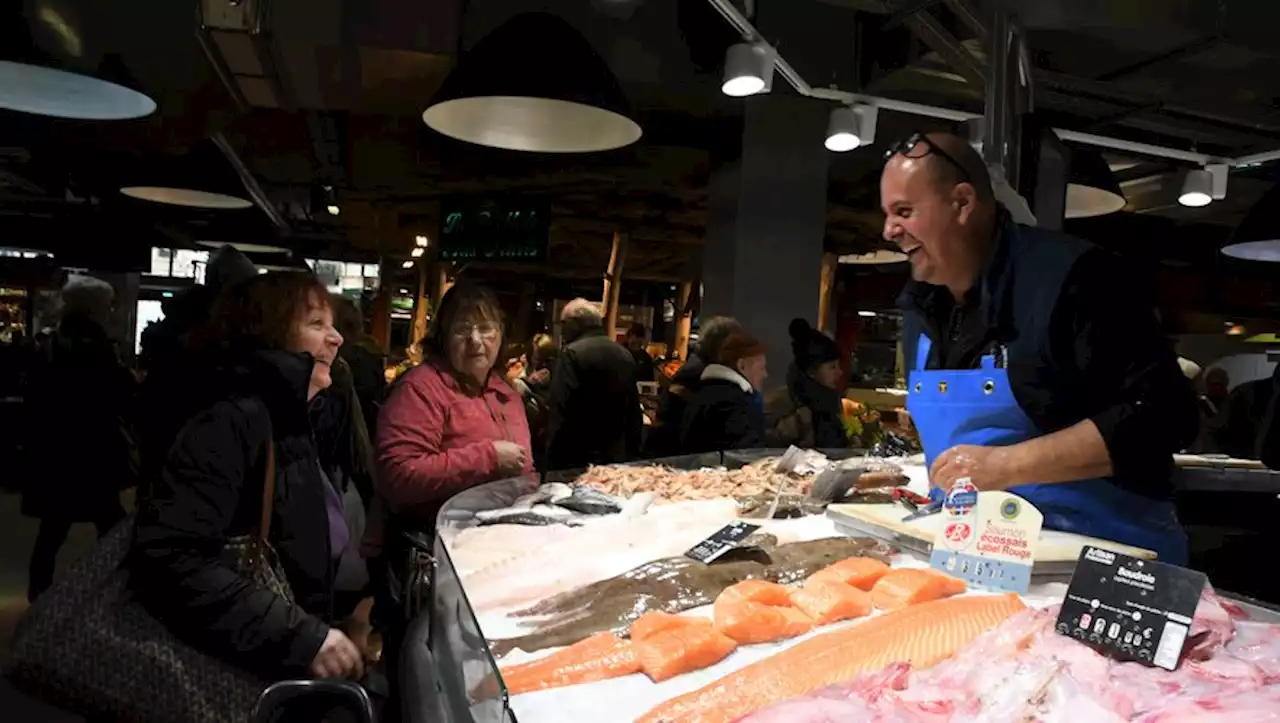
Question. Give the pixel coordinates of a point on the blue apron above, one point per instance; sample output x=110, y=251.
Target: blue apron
x=976, y=406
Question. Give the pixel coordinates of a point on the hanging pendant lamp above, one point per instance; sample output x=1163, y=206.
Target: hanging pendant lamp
x=45, y=69
x=200, y=178
x=534, y=84
x=1257, y=238
x=1092, y=190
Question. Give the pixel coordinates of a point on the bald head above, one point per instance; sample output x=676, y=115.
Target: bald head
x=961, y=164
x=939, y=209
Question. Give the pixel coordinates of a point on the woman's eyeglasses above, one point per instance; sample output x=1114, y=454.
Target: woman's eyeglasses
x=486, y=330
x=918, y=145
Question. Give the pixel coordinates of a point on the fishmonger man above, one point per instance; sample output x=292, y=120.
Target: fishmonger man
x=1035, y=366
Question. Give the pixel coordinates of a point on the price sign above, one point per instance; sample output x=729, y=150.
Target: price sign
x=725, y=539
x=987, y=539
x=1131, y=609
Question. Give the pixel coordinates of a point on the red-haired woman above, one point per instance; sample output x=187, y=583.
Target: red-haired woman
x=271, y=345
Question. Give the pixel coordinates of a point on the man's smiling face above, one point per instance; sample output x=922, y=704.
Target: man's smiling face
x=923, y=218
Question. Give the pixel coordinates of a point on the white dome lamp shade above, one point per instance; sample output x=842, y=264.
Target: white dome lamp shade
x=45, y=68
x=534, y=84
x=1092, y=189
x=1257, y=238
x=1197, y=189
x=199, y=179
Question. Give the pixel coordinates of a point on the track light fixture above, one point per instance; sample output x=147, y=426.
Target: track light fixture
x=748, y=70
x=1202, y=186
x=850, y=127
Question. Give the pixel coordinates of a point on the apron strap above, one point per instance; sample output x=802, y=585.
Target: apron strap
x=923, y=346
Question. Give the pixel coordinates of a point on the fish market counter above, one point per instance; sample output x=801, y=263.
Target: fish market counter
x=510, y=589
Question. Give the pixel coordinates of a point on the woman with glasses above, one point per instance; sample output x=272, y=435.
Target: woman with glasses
x=453, y=422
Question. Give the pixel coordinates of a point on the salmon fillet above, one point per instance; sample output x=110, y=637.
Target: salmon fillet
x=755, y=611
x=860, y=572
x=911, y=586
x=679, y=650
x=921, y=635
x=599, y=657
x=652, y=623
x=827, y=601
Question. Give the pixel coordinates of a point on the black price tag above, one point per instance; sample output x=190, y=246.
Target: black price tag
x=1131, y=609
x=725, y=539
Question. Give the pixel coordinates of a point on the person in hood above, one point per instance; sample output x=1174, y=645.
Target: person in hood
x=77, y=405
x=274, y=344
x=806, y=412
x=165, y=399
x=664, y=435
x=727, y=411
x=594, y=414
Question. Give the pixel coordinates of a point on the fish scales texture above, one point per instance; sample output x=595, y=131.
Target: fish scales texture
x=921, y=635
x=1025, y=671
x=672, y=585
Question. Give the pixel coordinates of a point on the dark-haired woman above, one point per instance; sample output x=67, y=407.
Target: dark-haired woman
x=453, y=422
x=271, y=342
x=807, y=412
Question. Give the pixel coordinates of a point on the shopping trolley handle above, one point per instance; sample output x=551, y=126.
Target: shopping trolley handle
x=344, y=694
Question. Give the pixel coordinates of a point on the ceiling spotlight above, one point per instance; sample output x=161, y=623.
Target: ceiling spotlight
x=867, y=314
x=748, y=69
x=333, y=209
x=417, y=252
x=1092, y=190
x=404, y=291
x=420, y=241
x=406, y=265
x=62, y=94
x=1196, y=189
x=850, y=127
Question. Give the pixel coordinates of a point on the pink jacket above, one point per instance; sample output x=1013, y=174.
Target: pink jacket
x=435, y=439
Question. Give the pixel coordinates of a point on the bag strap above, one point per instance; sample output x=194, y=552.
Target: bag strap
x=268, y=488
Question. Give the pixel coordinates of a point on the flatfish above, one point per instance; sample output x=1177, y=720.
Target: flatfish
x=674, y=585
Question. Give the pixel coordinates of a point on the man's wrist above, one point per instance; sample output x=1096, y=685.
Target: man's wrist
x=1012, y=462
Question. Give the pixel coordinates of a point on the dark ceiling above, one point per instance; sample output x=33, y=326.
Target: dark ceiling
x=331, y=91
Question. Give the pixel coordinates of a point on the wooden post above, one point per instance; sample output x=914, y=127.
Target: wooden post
x=684, y=320
x=826, y=290
x=380, y=318
x=421, y=304
x=613, y=282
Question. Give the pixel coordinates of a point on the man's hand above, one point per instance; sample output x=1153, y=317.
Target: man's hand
x=987, y=468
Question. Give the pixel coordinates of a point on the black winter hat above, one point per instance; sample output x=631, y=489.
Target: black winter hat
x=810, y=346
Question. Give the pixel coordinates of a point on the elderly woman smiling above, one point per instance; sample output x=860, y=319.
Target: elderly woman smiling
x=453, y=422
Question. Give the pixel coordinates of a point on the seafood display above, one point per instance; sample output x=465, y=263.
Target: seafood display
x=1024, y=671
x=557, y=503
x=591, y=610
x=608, y=547
x=921, y=635
x=760, y=479
x=674, y=585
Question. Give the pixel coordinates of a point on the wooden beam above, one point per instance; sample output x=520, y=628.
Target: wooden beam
x=684, y=320
x=826, y=290
x=420, y=305
x=613, y=282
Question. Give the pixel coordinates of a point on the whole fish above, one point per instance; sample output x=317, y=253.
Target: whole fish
x=674, y=585
x=538, y=514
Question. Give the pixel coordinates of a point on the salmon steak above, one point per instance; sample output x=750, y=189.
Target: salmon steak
x=599, y=657
x=920, y=635
x=911, y=586
x=757, y=611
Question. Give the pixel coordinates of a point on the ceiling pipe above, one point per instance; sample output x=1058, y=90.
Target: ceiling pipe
x=752, y=35
x=251, y=184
